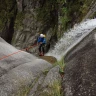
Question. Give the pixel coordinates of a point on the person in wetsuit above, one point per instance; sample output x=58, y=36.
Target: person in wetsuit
x=41, y=42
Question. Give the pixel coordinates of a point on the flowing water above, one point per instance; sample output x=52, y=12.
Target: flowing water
x=71, y=37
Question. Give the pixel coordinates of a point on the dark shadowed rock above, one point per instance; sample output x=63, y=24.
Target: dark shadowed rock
x=91, y=11
x=80, y=70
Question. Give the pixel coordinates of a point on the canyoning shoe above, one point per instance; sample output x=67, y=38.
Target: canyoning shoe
x=41, y=54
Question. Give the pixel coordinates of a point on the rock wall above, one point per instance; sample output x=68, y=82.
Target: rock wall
x=80, y=70
x=7, y=19
x=26, y=25
x=92, y=11
x=31, y=20
x=22, y=73
x=21, y=21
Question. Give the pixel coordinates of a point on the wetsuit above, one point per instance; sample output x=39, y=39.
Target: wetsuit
x=42, y=42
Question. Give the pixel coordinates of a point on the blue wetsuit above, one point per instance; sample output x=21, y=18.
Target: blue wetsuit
x=42, y=42
x=41, y=39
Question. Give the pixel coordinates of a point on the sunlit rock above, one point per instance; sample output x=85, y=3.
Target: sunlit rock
x=18, y=71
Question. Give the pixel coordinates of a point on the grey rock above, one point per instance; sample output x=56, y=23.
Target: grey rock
x=37, y=86
x=19, y=5
x=17, y=70
x=46, y=82
x=52, y=76
x=26, y=34
x=80, y=70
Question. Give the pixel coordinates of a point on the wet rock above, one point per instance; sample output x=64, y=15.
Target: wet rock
x=80, y=70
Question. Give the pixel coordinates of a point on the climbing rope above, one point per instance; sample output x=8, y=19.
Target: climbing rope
x=25, y=49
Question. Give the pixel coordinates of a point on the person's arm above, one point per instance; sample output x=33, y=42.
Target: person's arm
x=39, y=41
x=44, y=41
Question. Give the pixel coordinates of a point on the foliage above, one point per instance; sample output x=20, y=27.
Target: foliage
x=71, y=12
x=45, y=71
x=93, y=16
x=61, y=64
x=53, y=90
x=7, y=9
x=47, y=13
x=25, y=89
x=19, y=18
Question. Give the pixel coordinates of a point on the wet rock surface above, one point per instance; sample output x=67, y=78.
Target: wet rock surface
x=80, y=70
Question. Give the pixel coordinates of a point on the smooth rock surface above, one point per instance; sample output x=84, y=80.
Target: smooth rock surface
x=21, y=69
x=80, y=70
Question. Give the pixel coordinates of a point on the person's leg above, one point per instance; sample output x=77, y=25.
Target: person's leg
x=40, y=49
x=43, y=51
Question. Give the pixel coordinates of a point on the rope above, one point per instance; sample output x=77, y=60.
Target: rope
x=6, y=56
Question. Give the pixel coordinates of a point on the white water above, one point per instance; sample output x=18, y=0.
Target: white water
x=70, y=37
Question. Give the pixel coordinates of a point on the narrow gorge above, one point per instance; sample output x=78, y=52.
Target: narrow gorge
x=68, y=66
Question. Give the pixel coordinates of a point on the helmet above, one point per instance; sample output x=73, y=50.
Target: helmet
x=41, y=35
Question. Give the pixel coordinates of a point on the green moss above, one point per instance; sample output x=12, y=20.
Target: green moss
x=24, y=90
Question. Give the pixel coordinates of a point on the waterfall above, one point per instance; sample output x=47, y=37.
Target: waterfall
x=70, y=37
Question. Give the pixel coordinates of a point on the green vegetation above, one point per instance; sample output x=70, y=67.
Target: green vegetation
x=71, y=12
x=61, y=64
x=50, y=13
x=78, y=9
x=47, y=14
x=51, y=90
x=25, y=89
x=19, y=20
x=7, y=10
x=45, y=72
x=54, y=90
x=94, y=15
x=47, y=11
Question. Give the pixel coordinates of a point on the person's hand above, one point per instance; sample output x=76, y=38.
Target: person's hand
x=40, y=42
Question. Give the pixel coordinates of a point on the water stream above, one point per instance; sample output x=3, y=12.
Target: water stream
x=70, y=37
